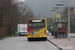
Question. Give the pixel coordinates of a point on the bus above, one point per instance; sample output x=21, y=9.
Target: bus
x=37, y=29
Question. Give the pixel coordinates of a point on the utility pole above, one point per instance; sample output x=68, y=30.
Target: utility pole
x=69, y=20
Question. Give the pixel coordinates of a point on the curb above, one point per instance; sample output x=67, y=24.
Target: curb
x=72, y=36
x=56, y=45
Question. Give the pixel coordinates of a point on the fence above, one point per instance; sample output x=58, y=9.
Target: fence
x=3, y=31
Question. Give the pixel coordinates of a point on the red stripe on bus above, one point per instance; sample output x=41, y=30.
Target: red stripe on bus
x=28, y=25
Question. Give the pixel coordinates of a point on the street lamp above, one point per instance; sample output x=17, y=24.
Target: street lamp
x=60, y=4
x=53, y=21
x=53, y=13
x=56, y=7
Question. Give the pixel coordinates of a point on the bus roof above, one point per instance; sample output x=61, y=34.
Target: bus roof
x=36, y=18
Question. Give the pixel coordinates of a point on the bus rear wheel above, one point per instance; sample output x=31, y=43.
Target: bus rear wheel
x=29, y=39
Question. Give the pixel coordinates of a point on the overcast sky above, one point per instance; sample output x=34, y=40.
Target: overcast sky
x=44, y=6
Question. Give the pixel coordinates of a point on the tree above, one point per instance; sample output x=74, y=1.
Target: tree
x=49, y=24
x=25, y=13
x=72, y=17
x=1, y=12
x=11, y=14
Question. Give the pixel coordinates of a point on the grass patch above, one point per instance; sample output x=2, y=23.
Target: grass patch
x=12, y=35
x=1, y=37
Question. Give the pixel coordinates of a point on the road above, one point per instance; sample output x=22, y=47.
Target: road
x=21, y=43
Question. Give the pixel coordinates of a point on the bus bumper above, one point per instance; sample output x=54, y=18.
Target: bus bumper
x=40, y=38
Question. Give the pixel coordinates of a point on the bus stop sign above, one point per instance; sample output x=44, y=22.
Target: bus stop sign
x=74, y=10
x=58, y=15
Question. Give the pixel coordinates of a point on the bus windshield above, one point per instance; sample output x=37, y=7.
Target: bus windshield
x=36, y=25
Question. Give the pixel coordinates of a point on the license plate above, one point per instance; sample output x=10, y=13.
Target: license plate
x=37, y=36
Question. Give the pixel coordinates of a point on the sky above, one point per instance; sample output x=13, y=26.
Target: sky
x=45, y=6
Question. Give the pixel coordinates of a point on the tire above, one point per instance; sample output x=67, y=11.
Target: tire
x=29, y=39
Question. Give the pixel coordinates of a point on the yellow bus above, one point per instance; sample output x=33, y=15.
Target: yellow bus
x=37, y=29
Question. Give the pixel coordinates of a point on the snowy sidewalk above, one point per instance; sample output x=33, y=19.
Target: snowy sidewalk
x=63, y=42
